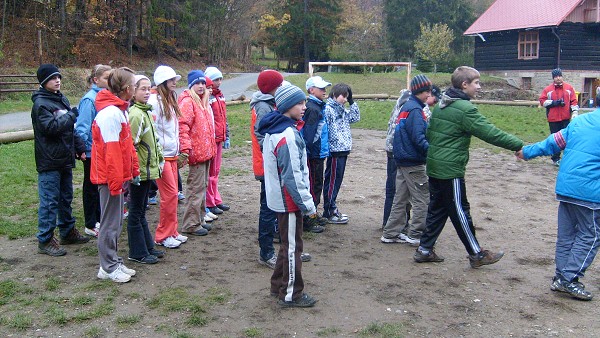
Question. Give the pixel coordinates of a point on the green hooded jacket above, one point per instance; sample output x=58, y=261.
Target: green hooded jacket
x=145, y=140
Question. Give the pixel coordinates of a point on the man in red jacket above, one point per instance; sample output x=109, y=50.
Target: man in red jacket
x=560, y=101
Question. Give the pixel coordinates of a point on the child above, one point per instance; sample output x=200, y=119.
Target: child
x=288, y=193
x=578, y=193
x=141, y=244
x=198, y=147
x=452, y=124
x=87, y=113
x=166, y=112
x=217, y=102
x=114, y=161
x=56, y=146
x=340, y=143
x=316, y=136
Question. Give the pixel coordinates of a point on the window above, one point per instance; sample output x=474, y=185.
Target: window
x=526, y=83
x=529, y=45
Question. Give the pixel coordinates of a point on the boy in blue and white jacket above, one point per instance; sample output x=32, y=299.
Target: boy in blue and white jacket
x=578, y=191
x=340, y=144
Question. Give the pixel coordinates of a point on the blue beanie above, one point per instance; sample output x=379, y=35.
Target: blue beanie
x=195, y=76
x=419, y=84
x=288, y=96
x=556, y=72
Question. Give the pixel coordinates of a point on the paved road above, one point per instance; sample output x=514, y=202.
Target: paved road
x=231, y=88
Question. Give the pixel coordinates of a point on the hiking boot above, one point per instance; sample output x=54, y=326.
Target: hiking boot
x=410, y=240
x=74, y=237
x=304, y=301
x=485, y=257
x=150, y=259
x=430, y=257
x=386, y=240
x=223, y=207
x=270, y=263
x=157, y=253
x=322, y=220
x=117, y=276
x=312, y=225
x=51, y=248
x=305, y=257
x=215, y=210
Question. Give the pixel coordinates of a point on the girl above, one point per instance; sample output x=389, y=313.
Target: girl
x=114, y=162
x=166, y=111
x=87, y=113
x=141, y=244
x=198, y=147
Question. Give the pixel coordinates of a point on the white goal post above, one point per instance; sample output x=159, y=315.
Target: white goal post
x=337, y=63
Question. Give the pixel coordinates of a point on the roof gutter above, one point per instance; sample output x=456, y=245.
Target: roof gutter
x=558, y=52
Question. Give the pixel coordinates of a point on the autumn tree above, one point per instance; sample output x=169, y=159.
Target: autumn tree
x=434, y=43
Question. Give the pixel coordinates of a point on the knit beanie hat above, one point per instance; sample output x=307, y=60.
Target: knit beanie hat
x=164, y=73
x=556, y=72
x=419, y=84
x=269, y=80
x=437, y=92
x=213, y=73
x=287, y=97
x=137, y=78
x=209, y=82
x=46, y=72
x=195, y=76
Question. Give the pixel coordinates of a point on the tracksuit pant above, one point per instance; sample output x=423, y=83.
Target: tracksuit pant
x=286, y=280
x=267, y=221
x=334, y=175
x=167, y=186
x=91, y=199
x=555, y=127
x=111, y=224
x=213, y=197
x=315, y=172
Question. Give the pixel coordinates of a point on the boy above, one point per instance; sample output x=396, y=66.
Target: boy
x=410, y=153
x=288, y=192
x=316, y=136
x=452, y=124
x=578, y=192
x=340, y=144
x=56, y=146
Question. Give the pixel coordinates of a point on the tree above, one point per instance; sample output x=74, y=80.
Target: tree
x=434, y=43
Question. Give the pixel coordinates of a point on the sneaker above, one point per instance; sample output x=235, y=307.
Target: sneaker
x=211, y=215
x=312, y=225
x=304, y=301
x=577, y=290
x=51, y=248
x=427, y=258
x=386, y=240
x=150, y=259
x=200, y=231
x=157, y=253
x=215, y=210
x=116, y=276
x=181, y=238
x=74, y=237
x=207, y=218
x=556, y=163
x=152, y=201
x=170, y=243
x=305, y=257
x=223, y=207
x=410, y=240
x=125, y=213
x=93, y=232
x=127, y=270
x=322, y=220
x=269, y=263
x=207, y=226
x=180, y=196
x=485, y=257
x=338, y=218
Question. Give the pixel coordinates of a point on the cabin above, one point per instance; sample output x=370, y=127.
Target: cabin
x=523, y=40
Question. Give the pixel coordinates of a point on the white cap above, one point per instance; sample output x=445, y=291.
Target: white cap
x=164, y=73
x=316, y=81
x=140, y=77
x=213, y=73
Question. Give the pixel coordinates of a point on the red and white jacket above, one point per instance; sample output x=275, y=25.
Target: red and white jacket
x=219, y=108
x=114, y=160
x=553, y=93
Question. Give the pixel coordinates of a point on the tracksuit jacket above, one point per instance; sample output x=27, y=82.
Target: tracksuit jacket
x=556, y=113
x=261, y=104
x=315, y=130
x=410, y=144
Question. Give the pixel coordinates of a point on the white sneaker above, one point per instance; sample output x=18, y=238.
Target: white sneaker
x=391, y=240
x=170, y=243
x=93, y=232
x=410, y=240
x=208, y=219
x=127, y=270
x=269, y=263
x=211, y=215
x=181, y=238
x=117, y=276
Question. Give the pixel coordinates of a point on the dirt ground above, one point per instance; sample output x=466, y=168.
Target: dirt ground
x=357, y=280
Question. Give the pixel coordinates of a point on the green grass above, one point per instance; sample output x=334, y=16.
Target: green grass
x=253, y=332
x=329, y=331
x=52, y=283
x=384, y=330
x=19, y=322
x=128, y=320
x=93, y=332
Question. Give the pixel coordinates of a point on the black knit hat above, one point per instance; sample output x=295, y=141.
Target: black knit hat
x=437, y=92
x=419, y=84
x=46, y=72
x=556, y=72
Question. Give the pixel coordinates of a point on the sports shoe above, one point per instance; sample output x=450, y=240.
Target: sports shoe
x=223, y=207
x=215, y=210
x=127, y=270
x=170, y=243
x=93, y=232
x=207, y=218
x=410, y=240
x=322, y=220
x=150, y=259
x=152, y=200
x=556, y=163
x=181, y=238
x=200, y=231
x=125, y=213
x=485, y=257
x=157, y=253
x=207, y=226
x=577, y=290
x=51, y=248
x=211, y=215
x=305, y=257
x=312, y=225
x=74, y=237
x=338, y=218
x=270, y=263
x=420, y=257
x=117, y=276
x=386, y=240
x=304, y=301
x=180, y=196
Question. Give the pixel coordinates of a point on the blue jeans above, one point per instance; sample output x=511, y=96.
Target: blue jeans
x=267, y=221
x=55, y=189
x=577, y=240
x=390, y=187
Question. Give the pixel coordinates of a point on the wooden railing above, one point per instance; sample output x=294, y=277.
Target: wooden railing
x=21, y=81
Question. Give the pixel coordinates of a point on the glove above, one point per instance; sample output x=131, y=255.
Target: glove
x=574, y=114
x=75, y=111
x=349, y=98
x=226, y=144
x=136, y=180
x=560, y=102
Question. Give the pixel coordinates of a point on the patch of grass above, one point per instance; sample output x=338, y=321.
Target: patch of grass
x=89, y=250
x=19, y=321
x=386, y=330
x=93, y=332
x=196, y=319
x=234, y=172
x=135, y=295
x=104, y=309
x=8, y=289
x=82, y=300
x=57, y=315
x=128, y=320
x=253, y=332
x=217, y=295
x=52, y=283
x=329, y=331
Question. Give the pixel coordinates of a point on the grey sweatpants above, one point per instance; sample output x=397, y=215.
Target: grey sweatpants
x=111, y=224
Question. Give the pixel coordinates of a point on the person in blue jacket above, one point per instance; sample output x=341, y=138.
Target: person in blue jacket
x=578, y=193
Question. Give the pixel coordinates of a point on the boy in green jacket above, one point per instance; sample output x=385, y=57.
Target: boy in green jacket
x=452, y=124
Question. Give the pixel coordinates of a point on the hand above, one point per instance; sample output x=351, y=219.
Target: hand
x=226, y=144
x=161, y=167
x=82, y=157
x=136, y=180
x=75, y=111
x=519, y=154
x=182, y=160
x=349, y=98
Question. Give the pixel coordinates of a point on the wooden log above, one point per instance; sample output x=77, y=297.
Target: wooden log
x=16, y=136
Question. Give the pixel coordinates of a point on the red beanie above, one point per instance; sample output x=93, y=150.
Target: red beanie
x=269, y=80
x=209, y=82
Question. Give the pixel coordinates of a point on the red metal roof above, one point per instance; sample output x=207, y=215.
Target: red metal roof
x=516, y=14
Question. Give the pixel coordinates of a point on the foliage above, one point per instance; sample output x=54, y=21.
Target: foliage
x=434, y=43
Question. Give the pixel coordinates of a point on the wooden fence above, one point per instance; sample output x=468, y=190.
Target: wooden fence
x=23, y=83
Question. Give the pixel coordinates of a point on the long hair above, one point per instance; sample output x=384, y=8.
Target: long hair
x=119, y=79
x=97, y=71
x=200, y=101
x=167, y=102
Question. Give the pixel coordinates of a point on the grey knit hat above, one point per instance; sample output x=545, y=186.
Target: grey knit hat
x=288, y=96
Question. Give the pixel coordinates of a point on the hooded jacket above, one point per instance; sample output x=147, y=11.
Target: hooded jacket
x=260, y=105
x=219, y=108
x=87, y=114
x=167, y=130
x=143, y=133
x=56, y=143
x=114, y=160
x=196, y=130
x=393, y=121
x=286, y=170
x=410, y=145
x=315, y=130
x=338, y=122
x=452, y=124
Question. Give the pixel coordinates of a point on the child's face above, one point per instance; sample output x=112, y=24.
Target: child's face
x=217, y=83
x=319, y=93
x=341, y=99
x=199, y=88
x=142, y=91
x=172, y=84
x=297, y=111
x=102, y=80
x=53, y=85
x=209, y=89
x=471, y=88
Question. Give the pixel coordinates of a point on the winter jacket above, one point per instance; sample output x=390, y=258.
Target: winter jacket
x=452, y=124
x=338, y=122
x=217, y=102
x=167, y=130
x=287, y=183
x=260, y=105
x=114, y=160
x=196, y=130
x=315, y=131
x=146, y=144
x=579, y=171
x=555, y=112
x=56, y=143
x=410, y=144
x=393, y=121
x=87, y=114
